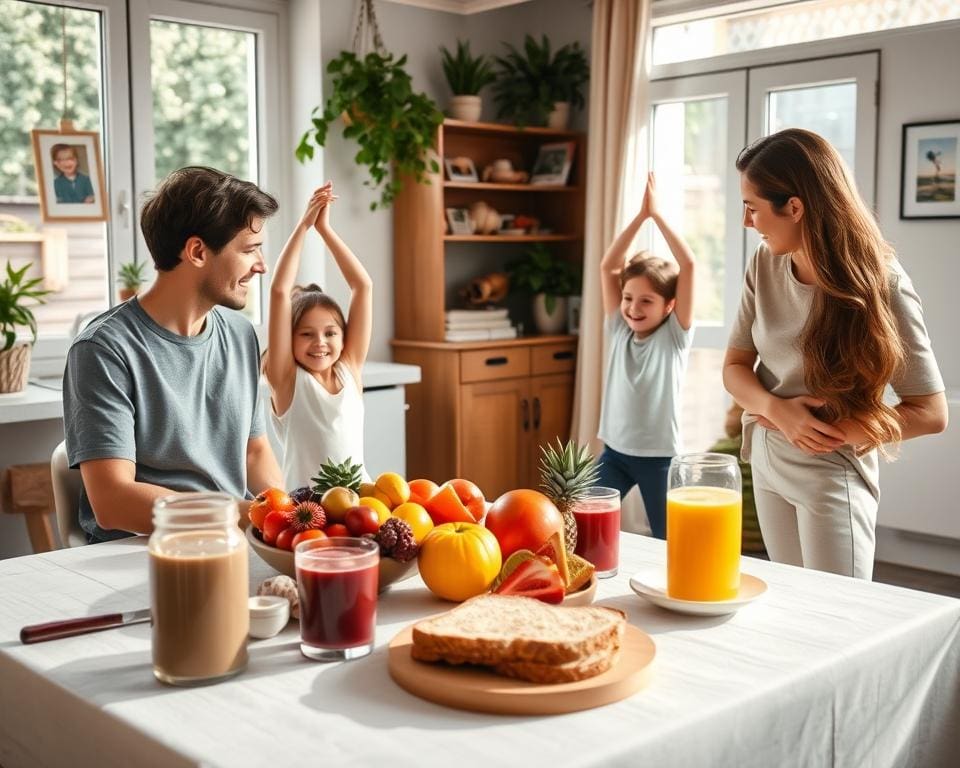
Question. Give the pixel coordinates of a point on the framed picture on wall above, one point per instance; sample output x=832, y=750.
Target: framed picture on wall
x=69, y=175
x=928, y=182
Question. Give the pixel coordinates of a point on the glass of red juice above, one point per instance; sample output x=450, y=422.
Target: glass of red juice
x=598, y=529
x=337, y=579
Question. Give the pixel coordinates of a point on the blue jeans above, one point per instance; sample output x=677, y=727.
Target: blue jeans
x=620, y=471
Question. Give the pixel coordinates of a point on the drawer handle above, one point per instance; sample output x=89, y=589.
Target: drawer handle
x=496, y=361
x=525, y=410
x=536, y=413
x=567, y=355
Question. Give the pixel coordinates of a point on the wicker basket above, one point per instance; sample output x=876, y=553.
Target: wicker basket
x=14, y=368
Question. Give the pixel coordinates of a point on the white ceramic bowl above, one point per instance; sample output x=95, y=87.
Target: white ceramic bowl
x=269, y=614
x=282, y=560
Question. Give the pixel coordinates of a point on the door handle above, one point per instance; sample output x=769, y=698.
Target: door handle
x=525, y=410
x=536, y=413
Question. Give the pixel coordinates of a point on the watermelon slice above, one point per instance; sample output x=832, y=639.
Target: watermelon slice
x=537, y=578
x=445, y=507
x=554, y=550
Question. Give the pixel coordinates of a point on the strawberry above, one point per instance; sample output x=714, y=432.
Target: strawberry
x=306, y=516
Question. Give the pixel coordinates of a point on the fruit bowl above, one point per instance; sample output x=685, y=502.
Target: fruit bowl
x=282, y=560
x=584, y=595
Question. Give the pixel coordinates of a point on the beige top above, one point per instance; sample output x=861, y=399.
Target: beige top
x=773, y=310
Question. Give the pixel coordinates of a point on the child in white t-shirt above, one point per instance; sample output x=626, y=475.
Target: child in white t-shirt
x=314, y=359
x=648, y=318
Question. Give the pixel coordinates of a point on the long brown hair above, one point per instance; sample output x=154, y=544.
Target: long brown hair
x=850, y=345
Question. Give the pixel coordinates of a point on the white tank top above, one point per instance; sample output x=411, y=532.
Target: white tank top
x=318, y=426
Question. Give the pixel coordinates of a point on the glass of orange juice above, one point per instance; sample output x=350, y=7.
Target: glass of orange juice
x=703, y=527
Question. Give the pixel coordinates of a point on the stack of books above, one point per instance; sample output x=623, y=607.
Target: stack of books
x=478, y=325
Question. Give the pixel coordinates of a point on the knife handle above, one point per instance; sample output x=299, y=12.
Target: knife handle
x=37, y=633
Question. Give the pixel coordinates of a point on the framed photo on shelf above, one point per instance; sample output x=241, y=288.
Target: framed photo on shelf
x=459, y=221
x=553, y=163
x=928, y=179
x=461, y=169
x=69, y=175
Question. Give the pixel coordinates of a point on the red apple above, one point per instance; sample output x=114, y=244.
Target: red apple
x=361, y=520
x=471, y=497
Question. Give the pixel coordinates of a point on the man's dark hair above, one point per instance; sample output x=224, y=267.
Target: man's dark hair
x=199, y=202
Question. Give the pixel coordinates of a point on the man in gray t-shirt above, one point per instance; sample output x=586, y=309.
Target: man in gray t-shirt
x=161, y=393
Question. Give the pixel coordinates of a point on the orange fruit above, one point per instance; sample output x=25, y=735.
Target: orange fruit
x=422, y=490
x=394, y=487
x=416, y=517
x=382, y=510
x=366, y=489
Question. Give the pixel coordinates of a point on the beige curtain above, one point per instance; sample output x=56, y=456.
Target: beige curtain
x=616, y=170
x=616, y=159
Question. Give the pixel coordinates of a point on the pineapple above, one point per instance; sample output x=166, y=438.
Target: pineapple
x=565, y=474
x=332, y=475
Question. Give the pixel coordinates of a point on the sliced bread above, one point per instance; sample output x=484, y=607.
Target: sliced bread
x=591, y=666
x=495, y=629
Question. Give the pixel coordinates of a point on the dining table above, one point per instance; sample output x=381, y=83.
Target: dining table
x=819, y=670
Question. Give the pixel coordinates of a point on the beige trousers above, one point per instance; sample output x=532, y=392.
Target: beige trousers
x=814, y=511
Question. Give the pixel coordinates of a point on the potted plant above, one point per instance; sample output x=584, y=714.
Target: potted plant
x=536, y=87
x=466, y=75
x=394, y=126
x=15, y=293
x=131, y=277
x=550, y=279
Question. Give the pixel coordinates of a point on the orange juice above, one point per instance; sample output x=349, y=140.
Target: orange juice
x=703, y=543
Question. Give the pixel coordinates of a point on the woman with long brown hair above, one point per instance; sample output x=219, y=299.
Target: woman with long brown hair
x=832, y=318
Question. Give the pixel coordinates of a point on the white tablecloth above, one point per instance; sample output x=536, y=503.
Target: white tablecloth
x=822, y=670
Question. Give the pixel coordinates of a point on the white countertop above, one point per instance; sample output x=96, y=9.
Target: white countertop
x=42, y=398
x=821, y=670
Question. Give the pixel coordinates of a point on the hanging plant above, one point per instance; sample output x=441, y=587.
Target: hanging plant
x=394, y=126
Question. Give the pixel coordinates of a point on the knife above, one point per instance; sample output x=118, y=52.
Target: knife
x=37, y=633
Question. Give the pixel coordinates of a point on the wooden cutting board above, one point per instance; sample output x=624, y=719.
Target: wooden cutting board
x=474, y=688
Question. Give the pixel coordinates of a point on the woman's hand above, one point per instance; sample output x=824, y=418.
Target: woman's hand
x=794, y=417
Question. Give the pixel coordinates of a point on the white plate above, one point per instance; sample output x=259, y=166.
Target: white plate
x=651, y=584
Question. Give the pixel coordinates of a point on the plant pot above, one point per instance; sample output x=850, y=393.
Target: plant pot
x=14, y=368
x=548, y=323
x=128, y=293
x=559, y=117
x=466, y=108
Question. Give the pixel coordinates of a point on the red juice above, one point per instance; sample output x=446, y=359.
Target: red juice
x=338, y=597
x=598, y=529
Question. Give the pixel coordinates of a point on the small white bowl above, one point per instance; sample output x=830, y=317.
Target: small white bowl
x=268, y=615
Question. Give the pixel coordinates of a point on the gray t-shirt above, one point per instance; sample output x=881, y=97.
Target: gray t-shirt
x=773, y=311
x=640, y=413
x=181, y=407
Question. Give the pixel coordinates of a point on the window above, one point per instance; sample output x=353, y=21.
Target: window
x=787, y=24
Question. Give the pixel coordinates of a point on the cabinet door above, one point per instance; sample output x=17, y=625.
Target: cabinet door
x=551, y=407
x=495, y=434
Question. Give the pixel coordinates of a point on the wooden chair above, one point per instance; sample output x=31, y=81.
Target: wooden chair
x=27, y=489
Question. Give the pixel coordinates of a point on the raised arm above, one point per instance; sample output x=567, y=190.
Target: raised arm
x=279, y=366
x=360, y=317
x=683, y=309
x=614, y=260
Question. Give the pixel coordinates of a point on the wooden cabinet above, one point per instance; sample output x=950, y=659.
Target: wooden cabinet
x=474, y=416
x=482, y=409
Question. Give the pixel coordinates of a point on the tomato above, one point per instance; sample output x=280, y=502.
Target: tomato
x=459, y=560
x=382, y=510
x=311, y=533
x=267, y=501
x=523, y=519
x=273, y=523
x=422, y=490
x=537, y=578
x=445, y=507
x=285, y=539
x=471, y=497
x=361, y=520
x=337, y=529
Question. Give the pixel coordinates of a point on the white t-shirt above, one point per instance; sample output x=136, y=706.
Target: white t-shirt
x=640, y=413
x=773, y=311
x=320, y=427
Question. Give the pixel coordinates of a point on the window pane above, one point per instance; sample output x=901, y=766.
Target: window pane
x=830, y=110
x=689, y=158
x=790, y=24
x=204, y=105
x=71, y=257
